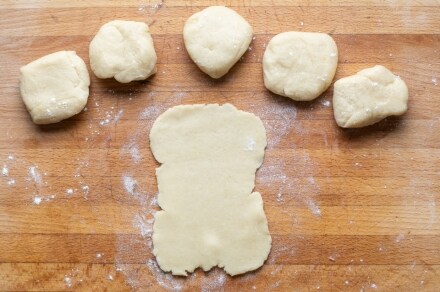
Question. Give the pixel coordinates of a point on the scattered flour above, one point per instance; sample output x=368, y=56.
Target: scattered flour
x=280, y=198
x=69, y=192
x=325, y=102
x=118, y=116
x=313, y=207
x=434, y=81
x=213, y=281
x=151, y=112
x=68, y=281
x=5, y=170
x=278, y=120
x=166, y=280
x=74, y=276
x=110, y=118
x=35, y=175
x=399, y=237
x=132, y=149
x=37, y=200
x=129, y=184
x=85, y=190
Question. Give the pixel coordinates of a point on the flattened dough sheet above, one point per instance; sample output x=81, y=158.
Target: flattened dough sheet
x=210, y=216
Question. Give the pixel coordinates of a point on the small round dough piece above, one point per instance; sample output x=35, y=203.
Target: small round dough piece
x=300, y=65
x=123, y=50
x=54, y=87
x=368, y=97
x=216, y=38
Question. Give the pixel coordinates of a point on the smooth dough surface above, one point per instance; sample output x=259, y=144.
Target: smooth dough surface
x=210, y=216
x=216, y=38
x=300, y=65
x=123, y=50
x=54, y=87
x=368, y=97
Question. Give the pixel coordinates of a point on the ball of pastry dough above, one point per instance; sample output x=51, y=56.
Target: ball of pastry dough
x=123, y=50
x=300, y=65
x=54, y=87
x=368, y=97
x=216, y=38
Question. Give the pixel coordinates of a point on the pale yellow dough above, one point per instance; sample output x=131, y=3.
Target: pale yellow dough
x=123, y=50
x=210, y=216
x=300, y=65
x=216, y=38
x=54, y=87
x=368, y=97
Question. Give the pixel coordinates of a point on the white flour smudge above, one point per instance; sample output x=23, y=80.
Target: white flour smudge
x=165, y=280
x=313, y=207
x=118, y=116
x=325, y=102
x=213, y=281
x=278, y=120
x=70, y=278
x=151, y=112
x=68, y=281
x=37, y=200
x=35, y=175
x=5, y=170
x=132, y=149
x=129, y=184
x=86, y=190
x=399, y=237
x=110, y=118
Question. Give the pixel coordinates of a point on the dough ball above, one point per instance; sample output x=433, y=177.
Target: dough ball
x=54, y=87
x=300, y=65
x=368, y=97
x=123, y=50
x=216, y=38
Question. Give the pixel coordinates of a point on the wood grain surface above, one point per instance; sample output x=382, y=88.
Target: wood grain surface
x=348, y=210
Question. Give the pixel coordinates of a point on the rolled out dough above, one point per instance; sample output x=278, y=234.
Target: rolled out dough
x=210, y=216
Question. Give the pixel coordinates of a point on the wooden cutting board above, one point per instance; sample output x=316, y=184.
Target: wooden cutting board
x=355, y=210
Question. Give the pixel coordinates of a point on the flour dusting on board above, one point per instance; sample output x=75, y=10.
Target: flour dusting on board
x=35, y=175
x=143, y=221
x=214, y=280
x=129, y=184
x=132, y=149
x=5, y=170
x=166, y=280
x=278, y=120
